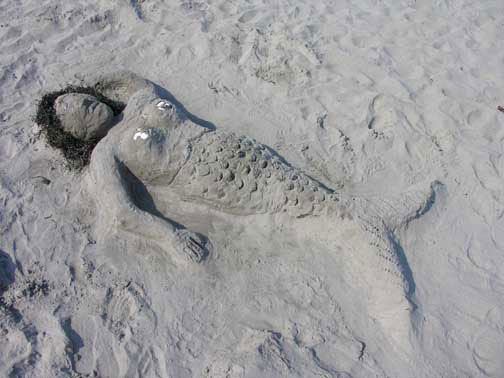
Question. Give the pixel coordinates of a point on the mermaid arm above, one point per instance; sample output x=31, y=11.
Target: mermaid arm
x=108, y=183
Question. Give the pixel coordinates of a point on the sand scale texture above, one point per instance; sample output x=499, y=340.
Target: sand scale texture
x=367, y=98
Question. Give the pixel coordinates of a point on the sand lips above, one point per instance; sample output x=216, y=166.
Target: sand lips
x=83, y=116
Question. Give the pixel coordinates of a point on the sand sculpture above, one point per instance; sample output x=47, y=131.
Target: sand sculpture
x=153, y=141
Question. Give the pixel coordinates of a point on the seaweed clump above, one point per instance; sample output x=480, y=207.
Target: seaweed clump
x=77, y=152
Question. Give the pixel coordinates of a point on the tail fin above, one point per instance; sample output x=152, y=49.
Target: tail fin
x=395, y=212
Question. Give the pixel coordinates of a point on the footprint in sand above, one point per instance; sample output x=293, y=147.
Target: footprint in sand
x=487, y=353
x=382, y=118
x=247, y=16
x=128, y=313
x=117, y=344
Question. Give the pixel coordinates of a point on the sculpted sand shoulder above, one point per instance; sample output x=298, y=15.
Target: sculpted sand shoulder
x=235, y=175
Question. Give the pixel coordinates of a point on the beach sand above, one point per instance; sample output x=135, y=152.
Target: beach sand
x=368, y=97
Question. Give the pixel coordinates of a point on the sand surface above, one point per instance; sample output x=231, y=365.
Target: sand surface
x=369, y=97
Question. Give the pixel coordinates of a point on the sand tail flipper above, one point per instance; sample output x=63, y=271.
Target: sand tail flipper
x=396, y=211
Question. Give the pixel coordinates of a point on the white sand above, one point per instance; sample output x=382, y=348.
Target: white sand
x=370, y=96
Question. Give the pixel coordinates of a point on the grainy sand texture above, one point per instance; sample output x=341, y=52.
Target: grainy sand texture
x=391, y=106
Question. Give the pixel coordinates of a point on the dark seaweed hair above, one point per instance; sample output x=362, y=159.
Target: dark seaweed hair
x=77, y=152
